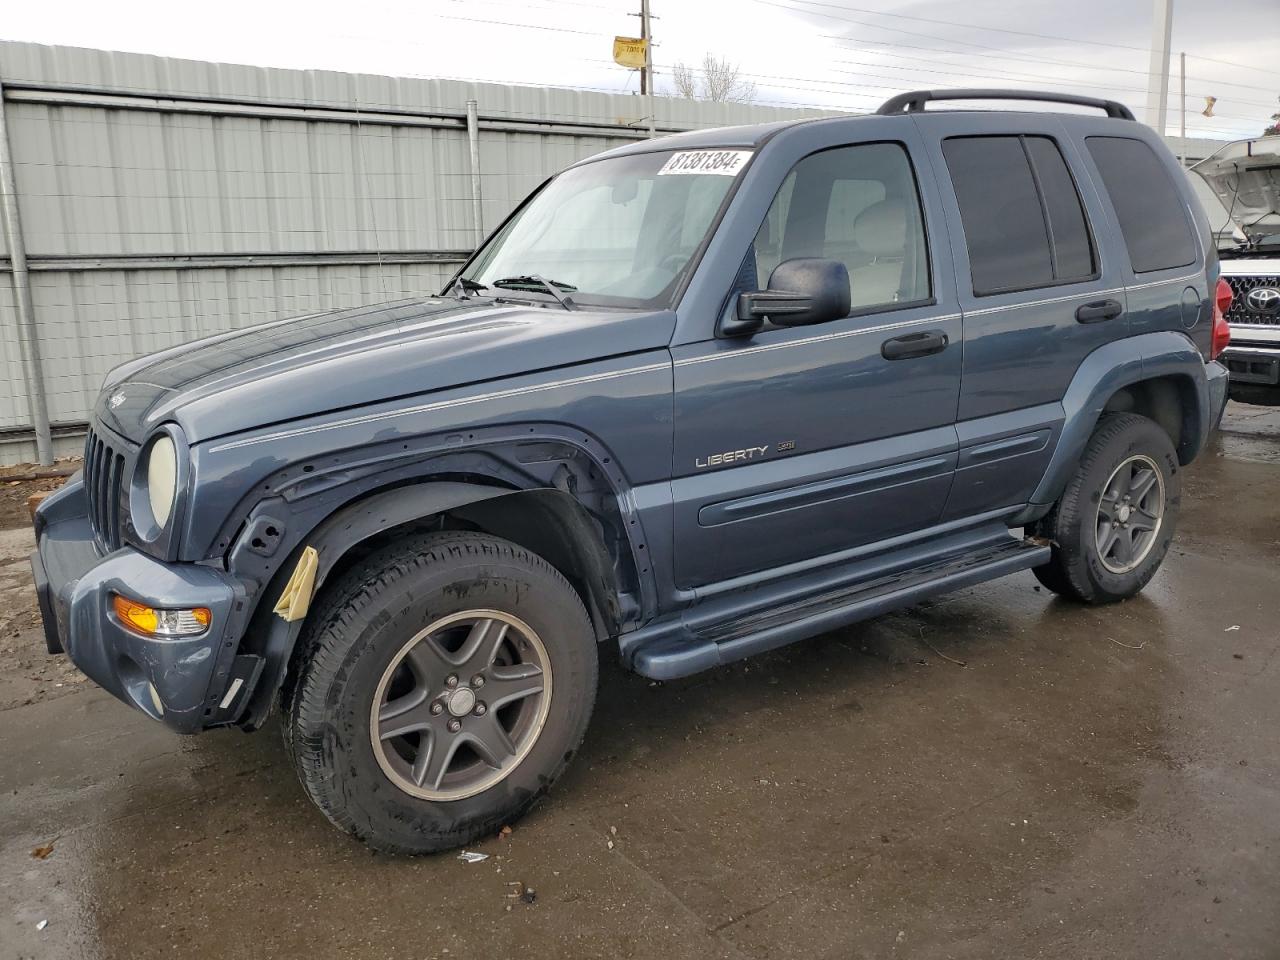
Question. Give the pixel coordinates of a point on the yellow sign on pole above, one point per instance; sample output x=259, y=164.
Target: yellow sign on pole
x=629, y=52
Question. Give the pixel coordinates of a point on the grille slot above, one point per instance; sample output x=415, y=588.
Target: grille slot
x=1239, y=312
x=104, y=468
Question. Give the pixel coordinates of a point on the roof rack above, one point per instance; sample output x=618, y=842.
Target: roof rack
x=914, y=101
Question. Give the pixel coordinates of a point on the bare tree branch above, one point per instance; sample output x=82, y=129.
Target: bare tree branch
x=686, y=85
x=717, y=80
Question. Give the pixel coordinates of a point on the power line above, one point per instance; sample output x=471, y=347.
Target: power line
x=896, y=84
x=990, y=29
x=966, y=26
x=1020, y=59
x=1075, y=64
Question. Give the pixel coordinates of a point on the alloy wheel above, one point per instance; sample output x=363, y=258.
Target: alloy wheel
x=1130, y=513
x=461, y=704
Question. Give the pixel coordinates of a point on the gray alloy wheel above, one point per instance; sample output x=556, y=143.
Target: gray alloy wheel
x=461, y=705
x=1112, y=526
x=423, y=715
x=1130, y=513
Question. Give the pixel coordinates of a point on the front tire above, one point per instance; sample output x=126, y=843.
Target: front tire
x=1112, y=526
x=444, y=685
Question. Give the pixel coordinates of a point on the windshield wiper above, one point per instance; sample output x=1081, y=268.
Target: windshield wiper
x=462, y=288
x=536, y=281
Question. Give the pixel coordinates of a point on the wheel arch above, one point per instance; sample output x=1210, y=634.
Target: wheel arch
x=1158, y=375
x=547, y=521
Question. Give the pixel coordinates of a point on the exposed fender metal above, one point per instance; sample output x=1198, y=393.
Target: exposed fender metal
x=382, y=511
x=330, y=540
x=1112, y=367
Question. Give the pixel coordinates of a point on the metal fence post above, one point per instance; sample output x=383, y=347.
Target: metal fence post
x=473, y=139
x=28, y=339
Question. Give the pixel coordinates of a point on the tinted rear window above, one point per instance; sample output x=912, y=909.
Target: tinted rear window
x=1152, y=214
x=1023, y=223
x=1071, y=248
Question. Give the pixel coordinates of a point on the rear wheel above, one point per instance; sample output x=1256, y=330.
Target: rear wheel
x=444, y=686
x=1112, y=526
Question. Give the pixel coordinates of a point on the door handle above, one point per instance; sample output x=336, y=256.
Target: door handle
x=914, y=345
x=1099, y=310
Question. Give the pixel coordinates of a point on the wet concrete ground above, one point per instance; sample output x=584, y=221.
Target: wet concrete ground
x=996, y=774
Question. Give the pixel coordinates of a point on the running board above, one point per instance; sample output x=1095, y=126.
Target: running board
x=679, y=653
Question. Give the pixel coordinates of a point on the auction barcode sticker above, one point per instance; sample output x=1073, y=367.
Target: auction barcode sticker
x=726, y=163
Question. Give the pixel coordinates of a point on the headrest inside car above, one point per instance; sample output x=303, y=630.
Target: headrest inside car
x=881, y=229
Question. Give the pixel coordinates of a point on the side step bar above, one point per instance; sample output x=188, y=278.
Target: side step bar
x=671, y=656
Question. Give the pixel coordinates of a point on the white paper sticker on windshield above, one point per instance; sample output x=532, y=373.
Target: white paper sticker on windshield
x=726, y=163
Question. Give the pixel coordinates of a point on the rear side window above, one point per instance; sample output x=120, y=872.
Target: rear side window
x=1151, y=213
x=1023, y=222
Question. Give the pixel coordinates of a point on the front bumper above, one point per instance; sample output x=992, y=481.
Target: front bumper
x=1253, y=364
x=182, y=682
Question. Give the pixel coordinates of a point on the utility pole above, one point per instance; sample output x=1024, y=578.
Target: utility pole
x=646, y=73
x=1182, y=109
x=1158, y=76
x=28, y=334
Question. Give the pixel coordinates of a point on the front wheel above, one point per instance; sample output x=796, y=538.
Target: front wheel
x=444, y=685
x=1112, y=526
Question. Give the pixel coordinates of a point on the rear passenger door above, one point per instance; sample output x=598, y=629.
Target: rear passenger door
x=1039, y=288
x=1164, y=269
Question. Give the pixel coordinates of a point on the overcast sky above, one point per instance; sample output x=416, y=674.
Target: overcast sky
x=832, y=53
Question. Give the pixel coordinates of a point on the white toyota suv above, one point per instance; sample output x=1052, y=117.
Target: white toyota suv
x=1245, y=176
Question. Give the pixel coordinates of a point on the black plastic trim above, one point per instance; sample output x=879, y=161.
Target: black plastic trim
x=914, y=101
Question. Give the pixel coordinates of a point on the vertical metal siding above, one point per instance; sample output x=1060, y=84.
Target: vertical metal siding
x=137, y=180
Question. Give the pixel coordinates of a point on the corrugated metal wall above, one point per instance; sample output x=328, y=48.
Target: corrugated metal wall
x=163, y=200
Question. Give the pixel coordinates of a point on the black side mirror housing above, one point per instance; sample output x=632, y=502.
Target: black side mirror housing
x=802, y=291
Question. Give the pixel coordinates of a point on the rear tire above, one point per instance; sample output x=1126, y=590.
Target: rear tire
x=444, y=685
x=1112, y=526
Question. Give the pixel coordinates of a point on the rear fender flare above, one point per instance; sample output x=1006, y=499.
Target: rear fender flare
x=1112, y=367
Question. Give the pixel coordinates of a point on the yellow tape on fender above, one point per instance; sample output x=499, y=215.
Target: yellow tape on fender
x=296, y=597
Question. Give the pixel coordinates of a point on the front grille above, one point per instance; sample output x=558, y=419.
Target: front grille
x=1240, y=312
x=105, y=462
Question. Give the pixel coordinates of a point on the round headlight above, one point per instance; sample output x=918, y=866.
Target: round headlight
x=162, y=479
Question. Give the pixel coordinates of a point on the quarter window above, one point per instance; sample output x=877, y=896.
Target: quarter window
x=1152, y=215
x=858, y=205
x=1024, y=225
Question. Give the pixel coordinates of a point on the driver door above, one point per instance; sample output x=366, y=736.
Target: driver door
x=802, y=442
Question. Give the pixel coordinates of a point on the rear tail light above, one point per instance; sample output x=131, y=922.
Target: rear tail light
x=1221, y=329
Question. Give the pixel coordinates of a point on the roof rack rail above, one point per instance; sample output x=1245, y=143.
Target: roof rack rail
x=914, y=101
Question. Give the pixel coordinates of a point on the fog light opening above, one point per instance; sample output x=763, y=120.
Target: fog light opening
x=152, y=622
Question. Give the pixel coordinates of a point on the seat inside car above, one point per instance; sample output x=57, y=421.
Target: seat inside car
x=880, y=232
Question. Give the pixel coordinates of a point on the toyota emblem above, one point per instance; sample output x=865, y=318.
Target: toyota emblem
x=1263, y=300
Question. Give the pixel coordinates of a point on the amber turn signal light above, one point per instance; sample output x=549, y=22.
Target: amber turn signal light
x=160, y=623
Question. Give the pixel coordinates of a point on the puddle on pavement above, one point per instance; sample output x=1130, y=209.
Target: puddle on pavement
x=1081, y=771
x=1250, y=449
x=728, y=791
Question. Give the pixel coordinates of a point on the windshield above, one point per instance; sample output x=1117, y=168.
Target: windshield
x=618, y=232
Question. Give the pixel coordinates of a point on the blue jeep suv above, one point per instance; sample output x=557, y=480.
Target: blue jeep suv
x=696, y=398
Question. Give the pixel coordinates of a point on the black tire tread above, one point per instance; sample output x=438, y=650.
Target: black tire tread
x=1064, y=574
x=325, y=645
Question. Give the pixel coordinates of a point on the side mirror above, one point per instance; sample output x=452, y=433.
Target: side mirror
x=802, y=291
